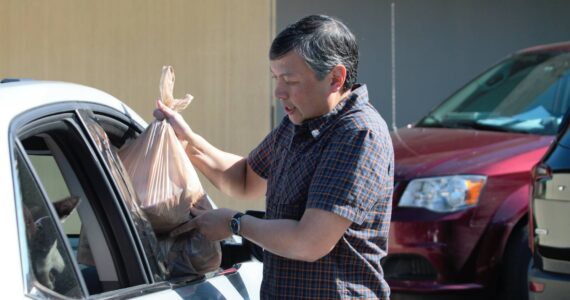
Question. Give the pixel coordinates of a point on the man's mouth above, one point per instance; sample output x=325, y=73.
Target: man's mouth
x=289, y=109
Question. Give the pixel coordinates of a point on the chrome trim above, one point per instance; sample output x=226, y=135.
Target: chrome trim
x=130, y=292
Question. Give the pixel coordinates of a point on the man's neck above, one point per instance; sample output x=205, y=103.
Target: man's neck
x=336, y=98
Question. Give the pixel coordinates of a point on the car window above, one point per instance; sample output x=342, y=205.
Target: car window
x=97, y=239
x=47, y=170
x=75, y=156
x=109, y=134
x=50, y=164
x=526, y=93
x=557, y=157
x=51, y=265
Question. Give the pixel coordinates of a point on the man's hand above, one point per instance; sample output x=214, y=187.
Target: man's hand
x=181, y=128
x=212, y=224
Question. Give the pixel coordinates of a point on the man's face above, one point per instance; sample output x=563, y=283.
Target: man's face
x=302, y=95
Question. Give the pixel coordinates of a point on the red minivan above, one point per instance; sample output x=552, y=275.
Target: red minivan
x=462, y=177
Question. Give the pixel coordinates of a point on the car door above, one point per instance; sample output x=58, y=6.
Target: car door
x=110, y=131
x=105, y=248
x=551, y=205
x=100, y=255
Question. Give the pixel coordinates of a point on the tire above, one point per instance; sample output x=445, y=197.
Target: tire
x=513, y=283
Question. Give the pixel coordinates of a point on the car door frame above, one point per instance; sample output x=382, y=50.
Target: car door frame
x=225, y=284
x=26, y=121
x=232, y=283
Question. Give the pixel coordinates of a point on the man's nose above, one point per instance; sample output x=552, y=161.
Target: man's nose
x=280, y=91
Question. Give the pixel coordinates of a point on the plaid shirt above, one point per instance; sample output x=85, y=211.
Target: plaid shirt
x=341, y=162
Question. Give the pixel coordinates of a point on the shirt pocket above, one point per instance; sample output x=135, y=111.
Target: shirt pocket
x=287, y=200
x=287, y=196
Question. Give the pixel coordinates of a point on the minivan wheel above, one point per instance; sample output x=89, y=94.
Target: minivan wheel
x=513, y=282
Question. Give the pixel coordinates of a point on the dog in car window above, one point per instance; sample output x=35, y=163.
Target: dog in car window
x=42, y=235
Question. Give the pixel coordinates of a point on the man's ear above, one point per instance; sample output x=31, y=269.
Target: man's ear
x=338, y=77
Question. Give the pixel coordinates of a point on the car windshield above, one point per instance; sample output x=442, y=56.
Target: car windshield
x=526, y=93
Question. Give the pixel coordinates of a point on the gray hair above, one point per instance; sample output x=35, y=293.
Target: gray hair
x=323, y=42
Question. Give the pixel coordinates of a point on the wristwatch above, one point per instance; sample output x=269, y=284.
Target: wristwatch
x=235, y=224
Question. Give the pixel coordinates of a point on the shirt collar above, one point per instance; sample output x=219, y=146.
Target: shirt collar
x=357, y=97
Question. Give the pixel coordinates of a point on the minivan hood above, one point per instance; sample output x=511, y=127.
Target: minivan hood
x=421, y=152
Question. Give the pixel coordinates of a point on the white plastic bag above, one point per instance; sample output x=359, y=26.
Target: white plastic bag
x=167, y=186
x=162, y=175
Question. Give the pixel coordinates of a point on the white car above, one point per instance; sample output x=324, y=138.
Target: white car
x=59, y=142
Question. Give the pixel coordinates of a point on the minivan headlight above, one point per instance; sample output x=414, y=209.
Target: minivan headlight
x=445, y=193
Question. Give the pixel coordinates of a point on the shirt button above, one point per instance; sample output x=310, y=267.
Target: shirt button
x=315, y=133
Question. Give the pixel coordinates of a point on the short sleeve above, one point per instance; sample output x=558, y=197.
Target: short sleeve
x=351, y=174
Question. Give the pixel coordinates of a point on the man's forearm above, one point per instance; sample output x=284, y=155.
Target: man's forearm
x=283, y=237
x=225, y=170
x=275, y=236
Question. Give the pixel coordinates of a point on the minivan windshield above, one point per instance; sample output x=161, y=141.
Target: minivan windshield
x=525, y=93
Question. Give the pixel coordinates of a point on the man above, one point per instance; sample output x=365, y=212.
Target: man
x=326, y=172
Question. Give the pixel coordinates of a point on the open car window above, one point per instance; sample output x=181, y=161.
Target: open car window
x=102, y=245
x=108, y=134
x=95, y=243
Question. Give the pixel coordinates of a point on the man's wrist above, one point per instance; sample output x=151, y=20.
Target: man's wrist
x=235, y=223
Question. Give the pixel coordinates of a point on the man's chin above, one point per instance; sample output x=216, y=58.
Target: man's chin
x=296, y=121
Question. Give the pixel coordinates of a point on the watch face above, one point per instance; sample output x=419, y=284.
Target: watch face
x=234, y=225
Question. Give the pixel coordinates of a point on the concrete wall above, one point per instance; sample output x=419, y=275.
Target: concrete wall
x=440, y=44
x=218, y=49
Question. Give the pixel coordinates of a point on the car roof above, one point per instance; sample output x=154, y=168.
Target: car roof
x=554, y=47
x=17, y=96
